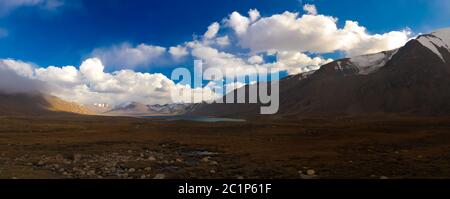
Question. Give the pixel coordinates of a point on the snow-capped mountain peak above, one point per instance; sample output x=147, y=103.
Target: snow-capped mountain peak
x=140, y=109
x=437, y=41
x=367, y=64
x=126, y=105
x=362, y=64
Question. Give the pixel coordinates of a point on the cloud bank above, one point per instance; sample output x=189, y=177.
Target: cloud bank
x=127, y=56
x=16, y=77
x=311, y=33
x=90, y=84
x=292, y=42
x=296, y=41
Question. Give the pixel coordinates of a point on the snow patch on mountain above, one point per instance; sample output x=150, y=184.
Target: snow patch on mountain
x=169, y=108
x=139, y=109
x=367, y=64
x=339, y=66
x=437, y=40
x=126, y=105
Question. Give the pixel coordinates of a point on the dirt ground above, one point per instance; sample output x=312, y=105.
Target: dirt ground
x=66, y=146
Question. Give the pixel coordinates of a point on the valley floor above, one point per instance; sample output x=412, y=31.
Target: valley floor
x=115, y=147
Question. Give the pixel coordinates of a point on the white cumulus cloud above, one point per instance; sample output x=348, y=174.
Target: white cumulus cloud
x=17, y=77
x=254, y=15
x=297, y=62
x=311, y=33
x=310, y=9
x=295, y=41
x=127, y=56
x=213, y=29
x=178, y=52
x=238, y=23
x=223, y=41
x=256, y=59
x=90, y=84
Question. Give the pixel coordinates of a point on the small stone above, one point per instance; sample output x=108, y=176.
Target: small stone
x=143, y=176
x=148, y=169
x=151, y=158
x=240, y=177
x=65, y=173
x=59, y=157
x=307, y=177
x=41, y=163
x=213, y=163
x=179, y=160
x=130, y=151
x=212, y=171
x=383, y=178
x=160, y=176
x=131, y=170
x=310, y=172
x=205, y=159
x=77, y=157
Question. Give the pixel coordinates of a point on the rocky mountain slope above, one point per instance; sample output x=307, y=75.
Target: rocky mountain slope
x=414, y=79
x=139, y=109
x=37, y=104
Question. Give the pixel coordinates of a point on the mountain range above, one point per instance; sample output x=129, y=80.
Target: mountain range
x=38, y=105
x=139, y=109
x=414, y=79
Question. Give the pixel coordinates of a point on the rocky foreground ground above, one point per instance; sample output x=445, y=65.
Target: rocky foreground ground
x=140, y=164
x=130, y=148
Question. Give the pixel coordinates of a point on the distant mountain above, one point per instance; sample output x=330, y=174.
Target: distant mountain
x=38, y=104
x=129, y=108
x=42, y=105
x=170, y=109
x=99, y=108
x=139, y=109
x=414, y=79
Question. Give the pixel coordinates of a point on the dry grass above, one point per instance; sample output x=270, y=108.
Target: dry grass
x=334, y=148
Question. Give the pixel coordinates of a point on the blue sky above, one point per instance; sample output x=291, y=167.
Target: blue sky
x=157, y=36
x=66, y=35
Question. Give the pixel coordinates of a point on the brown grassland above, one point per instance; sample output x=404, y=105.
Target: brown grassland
x=72, y=146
